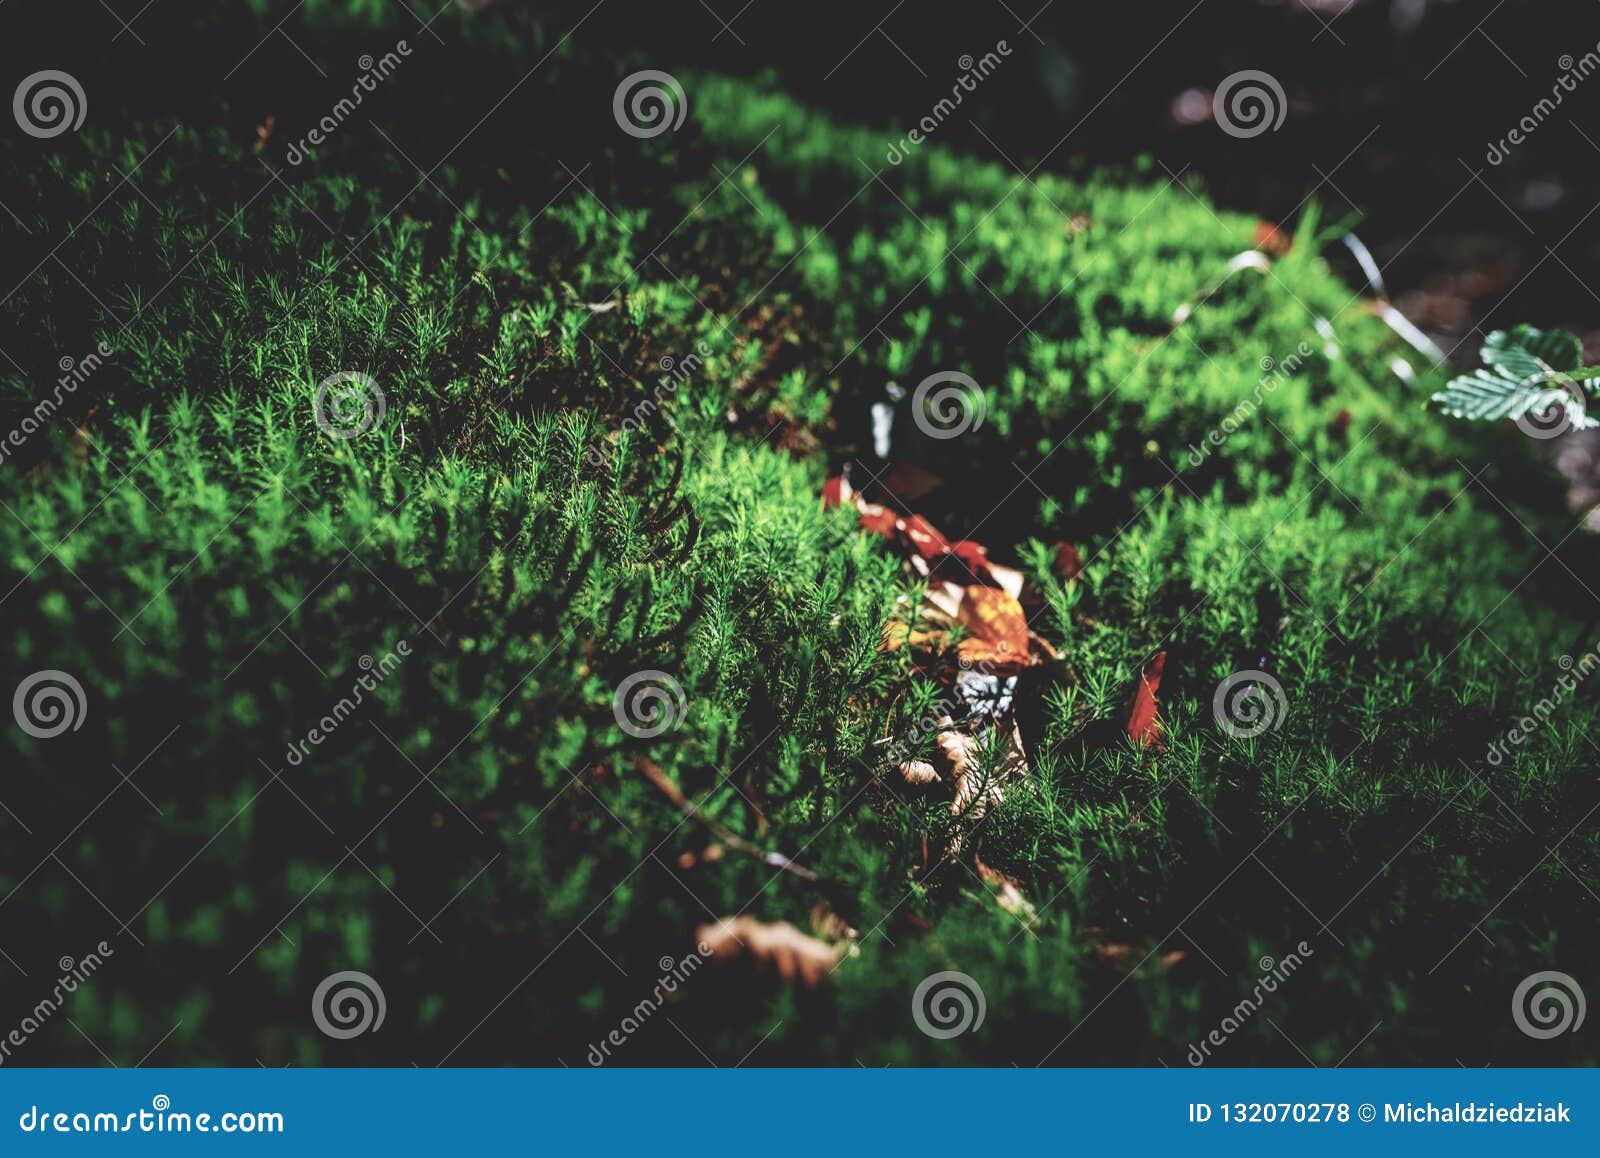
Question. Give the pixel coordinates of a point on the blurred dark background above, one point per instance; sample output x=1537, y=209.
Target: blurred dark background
x=1392, y=104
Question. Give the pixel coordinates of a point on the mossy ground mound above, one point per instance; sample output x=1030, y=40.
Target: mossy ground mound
x=219, y=573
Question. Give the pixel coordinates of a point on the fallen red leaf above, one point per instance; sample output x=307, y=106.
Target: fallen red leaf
x=1144, y=718
x=966, y=562
x=923, y=538
x=908, y=482
x=1273, y=239
x=878, y=520
x=1069, y=564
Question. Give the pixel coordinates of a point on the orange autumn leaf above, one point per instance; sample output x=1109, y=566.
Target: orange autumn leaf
x=897, y=635
x=998, y=630
x=1144, y=718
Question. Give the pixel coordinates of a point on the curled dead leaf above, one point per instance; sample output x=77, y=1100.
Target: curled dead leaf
x=779, y=946
x=977, y=789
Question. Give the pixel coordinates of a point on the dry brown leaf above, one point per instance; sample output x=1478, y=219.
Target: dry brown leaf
x=1008, y=894
x=711, y=854
x=897, y=635
x=934, y=614
x=830, y=925
x=780, y=946
x=1113, y=952
x=974, y=791
x=1119, y=953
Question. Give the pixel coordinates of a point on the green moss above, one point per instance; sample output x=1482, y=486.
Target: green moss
x=204, y=558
